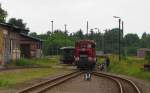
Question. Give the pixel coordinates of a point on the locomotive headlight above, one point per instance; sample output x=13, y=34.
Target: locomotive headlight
x=94, y=59
x=83, y=49
x=90, y=58
x=76, y=58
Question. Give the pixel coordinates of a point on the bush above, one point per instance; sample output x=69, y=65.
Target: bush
x=130, y=67
x=24, y=62
x=46, y=61
x=131, y=51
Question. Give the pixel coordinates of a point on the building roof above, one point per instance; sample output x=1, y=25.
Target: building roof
x=36, y=39
x=15, y=28
x=19, y=30
x=89, y=41
x=143, y=49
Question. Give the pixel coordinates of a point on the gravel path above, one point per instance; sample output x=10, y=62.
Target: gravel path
x=79, y=85
x=127, y=88
x=144, y=85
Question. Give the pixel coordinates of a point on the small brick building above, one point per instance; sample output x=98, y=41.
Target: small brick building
x=9, y=42
x=14, y=43
x=142, y=52
x=30, y=47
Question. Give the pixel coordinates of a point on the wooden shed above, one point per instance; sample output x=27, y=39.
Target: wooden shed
x=9, y=43
x=142, y=52
x=30, y=47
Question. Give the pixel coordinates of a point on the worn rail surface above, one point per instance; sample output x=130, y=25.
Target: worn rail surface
x=124, y=85
x=46, y=85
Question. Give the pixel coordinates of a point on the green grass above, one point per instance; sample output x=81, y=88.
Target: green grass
x=132, y=66
x=12, y=77
x=46, y=61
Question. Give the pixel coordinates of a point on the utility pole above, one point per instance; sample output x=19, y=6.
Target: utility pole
x=104, y=40
x=66, y=34
x=52, y=33
x=87, y=28
x=119, y=36
x=124, y=47
x=119, y=40
x=122, y=28
x=52, y=25
x=65, y=27
x=99, y=37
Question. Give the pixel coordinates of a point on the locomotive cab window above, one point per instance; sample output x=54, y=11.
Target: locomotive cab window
x=93, y=45
x=89, y=46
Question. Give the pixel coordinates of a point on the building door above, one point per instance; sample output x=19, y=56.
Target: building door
x=25, y=50
x=1, y=47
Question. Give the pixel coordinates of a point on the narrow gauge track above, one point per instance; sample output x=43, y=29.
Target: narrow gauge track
x=124, y=85
x=46, y=85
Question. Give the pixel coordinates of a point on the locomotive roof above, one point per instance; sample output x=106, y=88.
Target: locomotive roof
x=89, y=41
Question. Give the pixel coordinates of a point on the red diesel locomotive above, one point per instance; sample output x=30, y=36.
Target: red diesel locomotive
x=85, y=55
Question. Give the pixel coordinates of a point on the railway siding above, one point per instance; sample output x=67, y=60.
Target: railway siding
x=43, y=86
x=128, y=85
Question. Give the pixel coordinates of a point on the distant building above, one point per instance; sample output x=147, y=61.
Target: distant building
x=142, y=52
x=99, y=53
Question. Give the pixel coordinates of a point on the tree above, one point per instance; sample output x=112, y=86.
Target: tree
x=131, y=40
x=111, y=40
x=144, y=35
x=92, y=34
x=144, y=42
x=79, y=34
x=3, y=14
x=33, y=34
x=132, y=43
x=18, y=23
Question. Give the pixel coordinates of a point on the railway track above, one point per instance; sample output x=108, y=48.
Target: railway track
x=124, y=85
x=46, y=85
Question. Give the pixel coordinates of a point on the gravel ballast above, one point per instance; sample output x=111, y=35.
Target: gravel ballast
x=79, y=85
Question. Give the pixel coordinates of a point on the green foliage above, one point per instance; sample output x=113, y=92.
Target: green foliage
x=131, y=40
x=108, y=41
x=132, y=66
x=14, y=77
x=3, y=14
x=144, y=42
x=54, y=41
x=132, y=50
x=33, y=34
x=4, y=82
x=147, y=57
x=24, y=62
x=17, y=22
x=38, y=61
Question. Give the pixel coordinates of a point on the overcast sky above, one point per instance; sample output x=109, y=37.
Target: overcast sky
x=38, y=14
